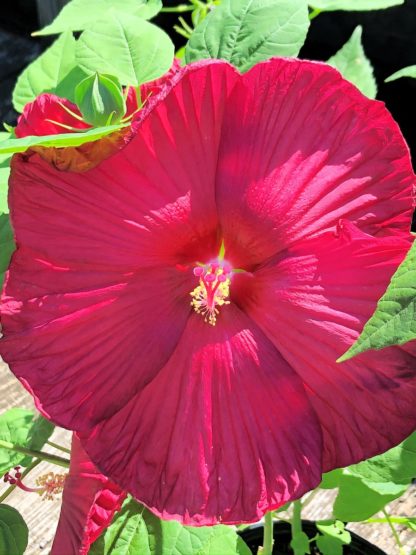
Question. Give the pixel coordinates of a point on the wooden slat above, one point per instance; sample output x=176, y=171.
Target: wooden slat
x=42, y=516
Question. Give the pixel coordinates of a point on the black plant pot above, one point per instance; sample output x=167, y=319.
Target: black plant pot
x=253, y=537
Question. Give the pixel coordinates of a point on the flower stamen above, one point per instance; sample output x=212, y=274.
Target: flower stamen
x=213, y=290
x=49, y=485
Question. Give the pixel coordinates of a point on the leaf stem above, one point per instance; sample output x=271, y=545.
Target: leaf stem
x=395, y=519
x=297, y=517
x=268, y=540
x=394, y=532
x=314, y=13
x=296, y=523
x=60, y=447
x=178, y=9
x=24, y=473
x=33, y=453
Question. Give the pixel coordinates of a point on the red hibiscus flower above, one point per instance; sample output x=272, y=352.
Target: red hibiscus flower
x=89, y=502
x=275, y=205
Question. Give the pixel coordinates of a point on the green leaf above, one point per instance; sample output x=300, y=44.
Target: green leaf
x=394, y=320
x=5, y=160
x=39, y=433
x=245, y=32
x=136, y=530
x=7, y=247
x=46, y=72
x=15, y=425
x=180, y=54
x=352, y=62
x=409, y=71
x=133, y=50
x=14, y=533
x=100, y=100
x=21, y=427
x=66, y=87
x=333, y=537
x=62, y=140
x=409, y=522
x=354, y=5
x=81, y=14
x=330, y=480
x=358, y=500
x=397, y=465
x=300, y=544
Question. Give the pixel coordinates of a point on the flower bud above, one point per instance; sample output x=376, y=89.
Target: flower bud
x=100, y=100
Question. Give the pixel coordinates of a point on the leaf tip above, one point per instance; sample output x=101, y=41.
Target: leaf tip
x=346, y=356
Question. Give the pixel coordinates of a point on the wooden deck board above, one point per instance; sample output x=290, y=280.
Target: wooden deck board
x=42, y=516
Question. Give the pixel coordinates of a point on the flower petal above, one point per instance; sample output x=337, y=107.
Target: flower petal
x=48, y=114
x=300, y=149
x=312, y=303
x=148, y=90
x=224, y=433
x=84, y=342
x=89, y=502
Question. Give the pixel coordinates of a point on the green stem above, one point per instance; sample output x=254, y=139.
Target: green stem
x=297, y=517
x=60, y=447
x=24, y=473
x=185, y=25
x=199, y=4
x=395, y=519
x=394, y=532
x=314, y=13
x=267, y=535
x=32, y=453
x=178, y=9
x=296, y=526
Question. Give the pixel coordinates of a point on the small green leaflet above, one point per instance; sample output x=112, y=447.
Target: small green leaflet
x=14, y=533
x=352, y=62
x=63, y=139
x=136, y=530
x=54, y=71
x=81, y=14
x=394, y=320
x=354, y=5
x=245, y=32
x=127, y=47
x=409, y=71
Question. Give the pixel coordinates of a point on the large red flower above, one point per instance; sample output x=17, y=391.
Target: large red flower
x=89, y=502
x=120, y=272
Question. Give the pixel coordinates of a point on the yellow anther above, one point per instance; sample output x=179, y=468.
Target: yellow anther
x=50, y=484
x=212, y=292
